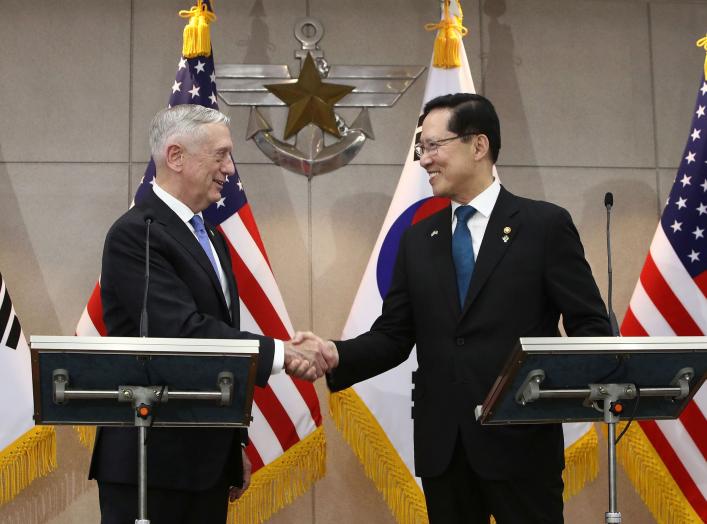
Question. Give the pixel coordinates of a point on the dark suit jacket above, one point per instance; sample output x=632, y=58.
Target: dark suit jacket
x=519, y=288
x=185, y=300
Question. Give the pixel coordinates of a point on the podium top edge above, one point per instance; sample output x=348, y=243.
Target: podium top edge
x=612, y=344
x=144, y=345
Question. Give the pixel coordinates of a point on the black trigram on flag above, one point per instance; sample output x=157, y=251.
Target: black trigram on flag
x=9, y=324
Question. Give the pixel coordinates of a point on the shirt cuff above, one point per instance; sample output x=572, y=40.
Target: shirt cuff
x=278, y=360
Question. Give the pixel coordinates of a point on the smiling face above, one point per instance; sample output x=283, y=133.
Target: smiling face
x=206, y=165
x=460, y=169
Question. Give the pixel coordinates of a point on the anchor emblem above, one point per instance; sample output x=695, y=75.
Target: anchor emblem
x=312, y=99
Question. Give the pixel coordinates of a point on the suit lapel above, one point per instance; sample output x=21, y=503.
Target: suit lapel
x=494, y=247
x=181, y=233
x=440, y=241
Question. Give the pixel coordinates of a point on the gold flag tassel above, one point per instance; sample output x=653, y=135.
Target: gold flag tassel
x=702, y=42
x=197, y=37
x=450, y=31
x=31, y=456
x=281, y=481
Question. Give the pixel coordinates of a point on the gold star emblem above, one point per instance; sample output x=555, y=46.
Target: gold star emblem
x=310, y=100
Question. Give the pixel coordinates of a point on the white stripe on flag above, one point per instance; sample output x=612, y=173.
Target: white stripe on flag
x=85, y=327
x=686, y=450
x=293, y=403
x=678, y=279
x=573, y=432
x=647, y=314
x=249, y=252
x=263, y=437
x=248, y=323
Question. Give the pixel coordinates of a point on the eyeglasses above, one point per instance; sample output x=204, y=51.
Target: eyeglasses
x=432, y=147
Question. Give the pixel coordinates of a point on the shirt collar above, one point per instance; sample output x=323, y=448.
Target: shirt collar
x=176, y=205
x=484, y=201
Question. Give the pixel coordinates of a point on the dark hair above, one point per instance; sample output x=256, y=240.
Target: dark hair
x=470, y=114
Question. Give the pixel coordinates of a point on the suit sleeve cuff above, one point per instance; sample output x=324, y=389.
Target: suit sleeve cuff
x=278, y=361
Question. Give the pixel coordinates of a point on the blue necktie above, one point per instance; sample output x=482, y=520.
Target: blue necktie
x=462, y=251
x=198, y=223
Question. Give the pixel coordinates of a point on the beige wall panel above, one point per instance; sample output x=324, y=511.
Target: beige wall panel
x=677, y=72
x=571, y=81
x=581, y=192
x=55, y=217
x=389, y=33
x=65, y=77
x=254, y=31
x=64, y=496
x=348, y=208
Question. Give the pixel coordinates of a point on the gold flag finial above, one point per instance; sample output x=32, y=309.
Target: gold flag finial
x=197, y=38
x=450, y=32
x=702, y=42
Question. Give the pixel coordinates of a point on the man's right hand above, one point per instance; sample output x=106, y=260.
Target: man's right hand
x=307, y=356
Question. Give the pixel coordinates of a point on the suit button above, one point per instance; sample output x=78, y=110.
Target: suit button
x=460, y=341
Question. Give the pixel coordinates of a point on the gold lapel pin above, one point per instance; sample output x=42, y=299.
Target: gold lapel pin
x=435, y=232
x=506, y=232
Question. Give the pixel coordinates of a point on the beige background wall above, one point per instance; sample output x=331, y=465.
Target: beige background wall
x=593, y=95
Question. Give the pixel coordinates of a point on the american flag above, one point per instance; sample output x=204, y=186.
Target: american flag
x=287, y=410
x=669, y=300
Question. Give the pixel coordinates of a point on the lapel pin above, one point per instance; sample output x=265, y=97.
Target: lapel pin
x=505, y=238
x=435, y=232
x=212, y=233
x=507, y=230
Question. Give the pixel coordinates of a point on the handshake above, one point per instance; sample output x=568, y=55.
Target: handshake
x=308, y=357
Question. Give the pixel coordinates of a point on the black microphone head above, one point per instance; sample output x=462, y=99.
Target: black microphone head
x=608, y=200
x=149, y=216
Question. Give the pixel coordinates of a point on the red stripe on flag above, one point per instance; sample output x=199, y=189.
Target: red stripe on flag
x=255, y=298
x=694, y=421
x=268, y=321
x=246, y=214
x=677, y=470
x=95, y=310
x=701, y=281
x=277, y=416
x=631, y=327
x=255, y=461
x=666, y=302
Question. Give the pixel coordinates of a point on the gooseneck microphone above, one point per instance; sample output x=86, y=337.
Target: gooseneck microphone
x=143, y=314
x=608, y=204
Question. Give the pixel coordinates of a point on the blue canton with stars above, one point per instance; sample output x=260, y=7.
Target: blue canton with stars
x=684, y=219
x=195, y=83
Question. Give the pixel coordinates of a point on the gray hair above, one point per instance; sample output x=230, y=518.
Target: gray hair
x=184, y=120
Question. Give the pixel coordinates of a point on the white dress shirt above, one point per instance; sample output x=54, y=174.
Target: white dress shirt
x=483, y=203
x=185, y=215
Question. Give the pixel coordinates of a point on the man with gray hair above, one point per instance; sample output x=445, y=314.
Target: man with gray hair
x=192, y=294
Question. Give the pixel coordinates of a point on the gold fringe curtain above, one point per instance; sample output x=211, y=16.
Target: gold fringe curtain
x=87, y=435
x=381, y=462
x=393, y=479
x=651, y=478
x=272, y=487
x=282, y=481
x=31, y=456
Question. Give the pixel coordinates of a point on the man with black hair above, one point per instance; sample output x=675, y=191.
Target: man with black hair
x=469, y=281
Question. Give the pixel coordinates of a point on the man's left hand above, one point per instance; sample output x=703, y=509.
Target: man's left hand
x=235, y=492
